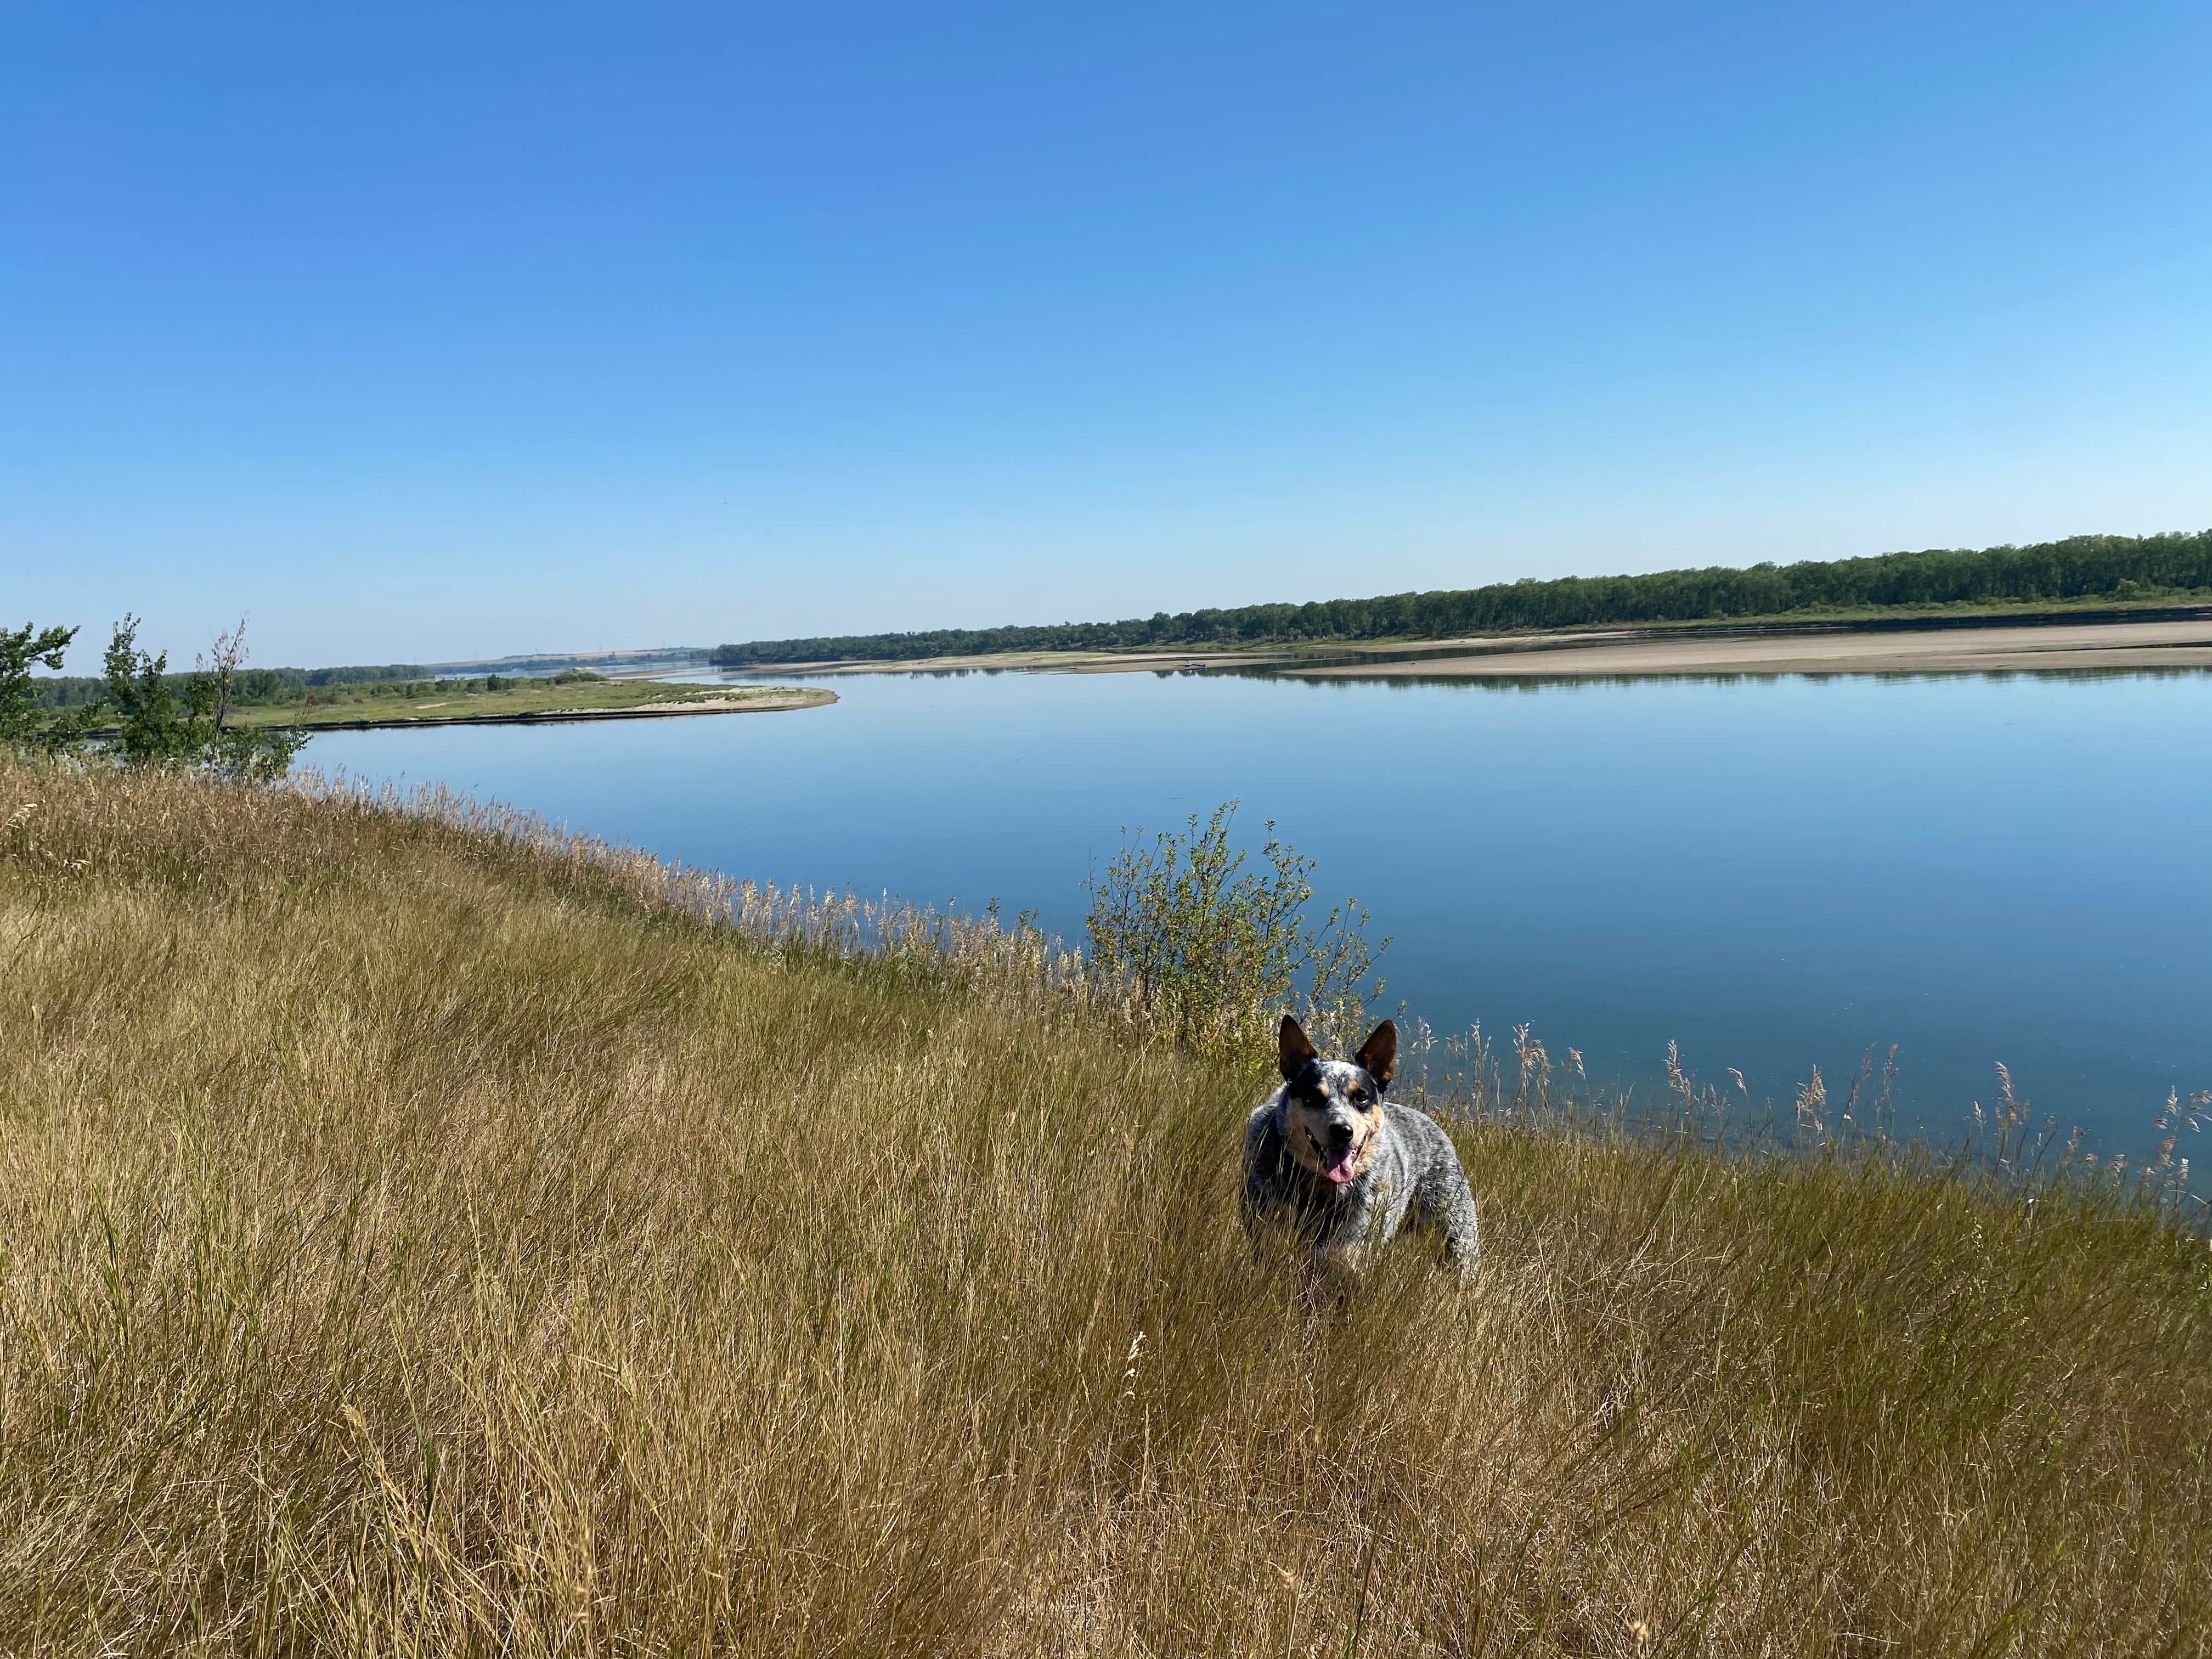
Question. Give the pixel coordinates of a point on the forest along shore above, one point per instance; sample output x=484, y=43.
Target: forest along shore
x=1915, y=645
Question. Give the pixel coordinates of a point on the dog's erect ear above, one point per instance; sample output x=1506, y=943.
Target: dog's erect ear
x=1379, y=1054
x=1292, y=1050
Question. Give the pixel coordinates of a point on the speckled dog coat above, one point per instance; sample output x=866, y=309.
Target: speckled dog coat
x=1328, y=1154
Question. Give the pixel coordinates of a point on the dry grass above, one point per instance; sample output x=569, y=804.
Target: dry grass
x=417, y=1242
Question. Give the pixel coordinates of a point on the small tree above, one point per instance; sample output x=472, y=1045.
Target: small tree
x=1212, y=951
x=257, y=751
x=155, y=726
x=20, y=649
x=155, y=720
x=22, y=723
x=162, y=723
x=220, y=665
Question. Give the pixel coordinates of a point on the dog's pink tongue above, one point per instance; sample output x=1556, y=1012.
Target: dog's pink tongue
x=1340, y=1171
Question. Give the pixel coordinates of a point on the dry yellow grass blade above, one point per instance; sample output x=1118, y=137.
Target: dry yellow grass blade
x=417, y=1239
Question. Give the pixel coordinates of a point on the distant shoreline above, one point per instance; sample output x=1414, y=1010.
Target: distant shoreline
x=2168, y=637
x=2089, y=578
x=2044, y=647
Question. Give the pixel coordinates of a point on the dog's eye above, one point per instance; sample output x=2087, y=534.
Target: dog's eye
x=1359, y=1097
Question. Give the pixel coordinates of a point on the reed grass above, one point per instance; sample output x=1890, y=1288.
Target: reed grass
x=423, y=1234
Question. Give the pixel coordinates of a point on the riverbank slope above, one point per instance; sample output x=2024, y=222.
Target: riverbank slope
x=425, y=1234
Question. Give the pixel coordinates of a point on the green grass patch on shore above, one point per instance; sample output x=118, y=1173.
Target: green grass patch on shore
x=495, y=697
x=419, y=1234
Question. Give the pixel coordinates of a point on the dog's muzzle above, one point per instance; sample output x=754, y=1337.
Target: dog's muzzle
x=1340, y=1154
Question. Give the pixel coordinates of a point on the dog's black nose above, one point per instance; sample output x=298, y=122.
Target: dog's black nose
x=1340, y=1135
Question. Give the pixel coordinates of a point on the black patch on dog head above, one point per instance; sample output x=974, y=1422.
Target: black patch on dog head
x=1341, y=1082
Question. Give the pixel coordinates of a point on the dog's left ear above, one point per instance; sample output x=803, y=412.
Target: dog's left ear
x=1379, y=1054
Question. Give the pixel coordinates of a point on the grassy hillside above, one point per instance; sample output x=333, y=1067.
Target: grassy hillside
x=415, y=1240
x=2082, y=573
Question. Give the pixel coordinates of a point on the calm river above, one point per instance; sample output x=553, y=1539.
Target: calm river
x=1776, y=873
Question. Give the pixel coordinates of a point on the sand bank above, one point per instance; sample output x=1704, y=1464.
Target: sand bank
x=2055, y=648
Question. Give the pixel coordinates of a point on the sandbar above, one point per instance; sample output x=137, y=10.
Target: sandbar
x=2048, y=648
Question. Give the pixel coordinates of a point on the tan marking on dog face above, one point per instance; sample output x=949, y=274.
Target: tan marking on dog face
x=1331, y=1090
x=1305, y=1127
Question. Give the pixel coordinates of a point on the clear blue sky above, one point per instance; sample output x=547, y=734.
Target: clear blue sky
x=427, y=332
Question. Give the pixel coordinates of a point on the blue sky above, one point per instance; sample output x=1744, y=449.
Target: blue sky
x=425, y=333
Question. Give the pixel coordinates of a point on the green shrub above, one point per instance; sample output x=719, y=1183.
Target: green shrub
x=1210, y=951
x=143, y=713
x=23, y=720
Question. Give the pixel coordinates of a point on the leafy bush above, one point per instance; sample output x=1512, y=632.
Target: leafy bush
x=1209, y=951
x=143, y=714
x=157, y=727
x=24, y=722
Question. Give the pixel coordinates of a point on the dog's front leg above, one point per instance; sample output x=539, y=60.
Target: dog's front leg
x=1342, y=1251
x=1333, y=1272
x=1345, y=1259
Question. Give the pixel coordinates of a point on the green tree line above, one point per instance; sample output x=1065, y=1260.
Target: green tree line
x=255, y=686
x=2081, y=568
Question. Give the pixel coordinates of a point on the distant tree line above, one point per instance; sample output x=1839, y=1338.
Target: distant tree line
x=255, y=686
x=303, y=685
x=2081, y=568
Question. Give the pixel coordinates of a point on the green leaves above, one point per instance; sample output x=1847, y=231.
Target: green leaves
x=1210, y=951
x=155, y=719
x=19, y=647
x=155, y=725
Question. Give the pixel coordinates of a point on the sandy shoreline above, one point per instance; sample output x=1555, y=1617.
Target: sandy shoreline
x=2054, y=648
x=1918, y=646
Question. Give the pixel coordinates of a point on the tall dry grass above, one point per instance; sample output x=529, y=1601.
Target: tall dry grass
x=418, y=1240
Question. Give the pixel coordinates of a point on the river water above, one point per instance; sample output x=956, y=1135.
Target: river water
x=1776, y=873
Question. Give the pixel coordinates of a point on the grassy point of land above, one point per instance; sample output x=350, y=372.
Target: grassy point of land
x=420, y=1234
x=495, y=701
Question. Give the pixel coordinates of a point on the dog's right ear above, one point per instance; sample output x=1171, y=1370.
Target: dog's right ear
x=1292, y=1051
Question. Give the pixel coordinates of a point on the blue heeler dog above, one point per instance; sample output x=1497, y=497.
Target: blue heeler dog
x=1327, y=1153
